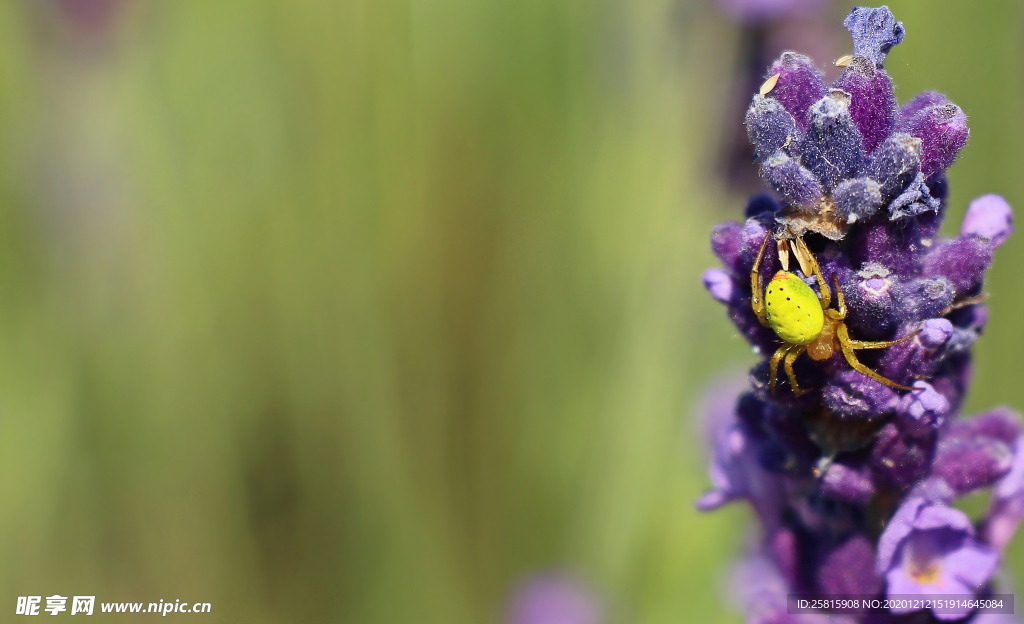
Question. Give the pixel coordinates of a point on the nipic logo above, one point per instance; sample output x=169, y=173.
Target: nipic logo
x=29, y=605
x=84, y=605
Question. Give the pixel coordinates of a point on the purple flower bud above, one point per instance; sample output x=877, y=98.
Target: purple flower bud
x=988, y=216
x=726, y=239
x=1007, y=507
x=962, y=261
x=794, y=183
x=770, y=127
x=874, y=32
x=873, y=104
x=849, y=568
x=917, y=104
x=927, y=297
x=553, y=598
x=1001, y=424
x=921, y=411
x=857, y=199
x=871, y=299
x=735, y=473
x=719, y=284
x=761, y=204
x=884, y=243
x=935, y=332
x=901, y=460
x=850, y=484
x=896, y=163
x=968, y=461
x=943, y=131
x=853, y=395
x=931, y=549
x=800, y=85
x=833, y=148
x=751, y=236
x=920, y=356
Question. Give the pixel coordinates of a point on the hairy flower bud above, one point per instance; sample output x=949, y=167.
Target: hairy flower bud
x=794, y=183
x=799, y=85
x=833, y=148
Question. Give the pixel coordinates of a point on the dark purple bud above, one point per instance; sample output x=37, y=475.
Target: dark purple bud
x=917, y=104
x=726, y=239
x=901, y=460
x=919, y=356
x=832, y=148
x=884, y=242
x=849, y=484
x=896, y=163
x=927, y=297
x=794, y=183
x=961, y=260
x=752, y=411
x=935, y=332
x=921, y=411
x=800, y=85
x=762, y=339
x=916, y=199
x=850, y=568
x=873, y=103
x=719, y=284
x=943, y=131
x=968, y=461
x=770, y=127
x=871, y=298
x=988, y=216
x=761, y=204
x=853, y=395
x=857, y=199
x=751, y=236
x=874, y=32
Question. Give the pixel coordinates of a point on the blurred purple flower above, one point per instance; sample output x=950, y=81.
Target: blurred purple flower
x=762, y=10
x=553, y=598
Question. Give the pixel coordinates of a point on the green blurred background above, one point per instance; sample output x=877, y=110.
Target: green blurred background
x=365, y=311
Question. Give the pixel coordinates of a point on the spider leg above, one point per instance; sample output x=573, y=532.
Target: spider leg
x=861, y=344
x=851, y=358
x=757, y=285
x=840, y=300
x=966, y=301
x=807, y=259
x=794, y=351
x=773, y=366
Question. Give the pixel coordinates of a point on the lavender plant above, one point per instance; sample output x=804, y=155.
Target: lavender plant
x=854, y=482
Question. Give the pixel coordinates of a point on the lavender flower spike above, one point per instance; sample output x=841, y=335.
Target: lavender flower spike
x=849, y=444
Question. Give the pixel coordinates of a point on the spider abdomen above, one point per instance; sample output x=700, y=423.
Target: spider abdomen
x=793, y=309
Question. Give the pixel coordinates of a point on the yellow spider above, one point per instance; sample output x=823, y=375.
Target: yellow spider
x=802, y=321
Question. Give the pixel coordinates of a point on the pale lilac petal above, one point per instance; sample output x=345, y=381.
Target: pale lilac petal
x=938, y=516
x=973, y=563
x=899, y=527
